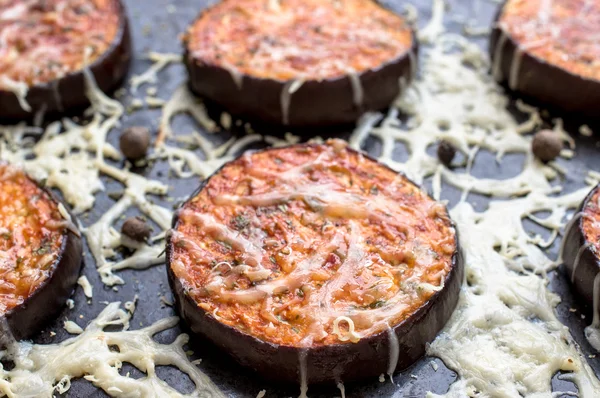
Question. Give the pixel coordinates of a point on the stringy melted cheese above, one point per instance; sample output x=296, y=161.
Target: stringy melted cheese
x=41, y=41
x=31, y=233
x=41, y=371
x=287, y=40
x=284, y=244
x=562, y=33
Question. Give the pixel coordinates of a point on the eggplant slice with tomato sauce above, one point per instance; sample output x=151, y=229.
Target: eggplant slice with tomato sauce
x=41, y=254
x=580, y=250
x=302, y=63
x=314, y=263
x=47, y=44
x=549, y=51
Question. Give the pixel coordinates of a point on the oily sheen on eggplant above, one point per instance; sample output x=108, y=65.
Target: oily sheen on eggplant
x=44, y=301
x=299, y=96
x=68, y=92
x=394, y=344
x=544, y=52
x=580, y=248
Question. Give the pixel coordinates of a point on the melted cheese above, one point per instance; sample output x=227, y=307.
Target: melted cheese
x=182, y=101
x=86, y=286
x=252, y=253
x=394, y=352
x=286, y=98
x=435, y=26
x=150, y=76
x=350, y=335
x=18, y=88
x=72, y=328
x=43, y=370
x=592, y=332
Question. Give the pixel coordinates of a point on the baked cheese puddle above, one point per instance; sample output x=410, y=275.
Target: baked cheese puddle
x=97, y=356
x=492, y=340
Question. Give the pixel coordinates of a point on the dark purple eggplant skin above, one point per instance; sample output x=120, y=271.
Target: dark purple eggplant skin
x=316, y=103
x=589, y=263
x=543, y=82
x=50, y=297
x=366, y=359
x=68, y=93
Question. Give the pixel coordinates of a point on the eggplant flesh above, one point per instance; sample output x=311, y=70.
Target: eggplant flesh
x=580, y=256
x=306, y=99
x=68, y=94
x=47, y=300
x=367, y=358
x=537, y=79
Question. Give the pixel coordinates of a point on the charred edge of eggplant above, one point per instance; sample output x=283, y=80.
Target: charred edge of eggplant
x=542, y=82
x=68, y=93
x=589, y=263
x=317, y=103
x=41, y=307
x=346, y=362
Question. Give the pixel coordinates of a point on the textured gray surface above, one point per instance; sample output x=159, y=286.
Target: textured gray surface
x=155, y=28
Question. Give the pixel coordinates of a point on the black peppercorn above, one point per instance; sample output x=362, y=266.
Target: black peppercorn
x=134, y=142
x=546, y=145
x=446, y=152
x=136, y=228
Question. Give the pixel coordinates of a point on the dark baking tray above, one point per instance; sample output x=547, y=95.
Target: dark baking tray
x=156, y=25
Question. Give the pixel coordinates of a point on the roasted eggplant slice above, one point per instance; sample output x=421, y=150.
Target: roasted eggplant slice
x=45, y=46
x=549, y=51
x=314, y=263
x=299, y=62
x=581, y=249
x=40, y=253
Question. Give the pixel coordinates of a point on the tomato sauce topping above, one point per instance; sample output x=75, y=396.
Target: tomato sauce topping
x=564, y=33
x=298, y=39
x=591, y=221
x=44, y=40
x=311, y=245
x=31, y=234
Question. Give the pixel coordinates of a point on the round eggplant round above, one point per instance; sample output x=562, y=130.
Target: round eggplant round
x=561, y=70
x=67, y=91
x=41, y=254
x=235, y=285
x=580, y=249
x=324, y=82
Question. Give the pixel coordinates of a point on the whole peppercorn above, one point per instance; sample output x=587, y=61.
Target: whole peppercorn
x=546, y=145
x=136, y=228
x=134, y=142
x=446, y=152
